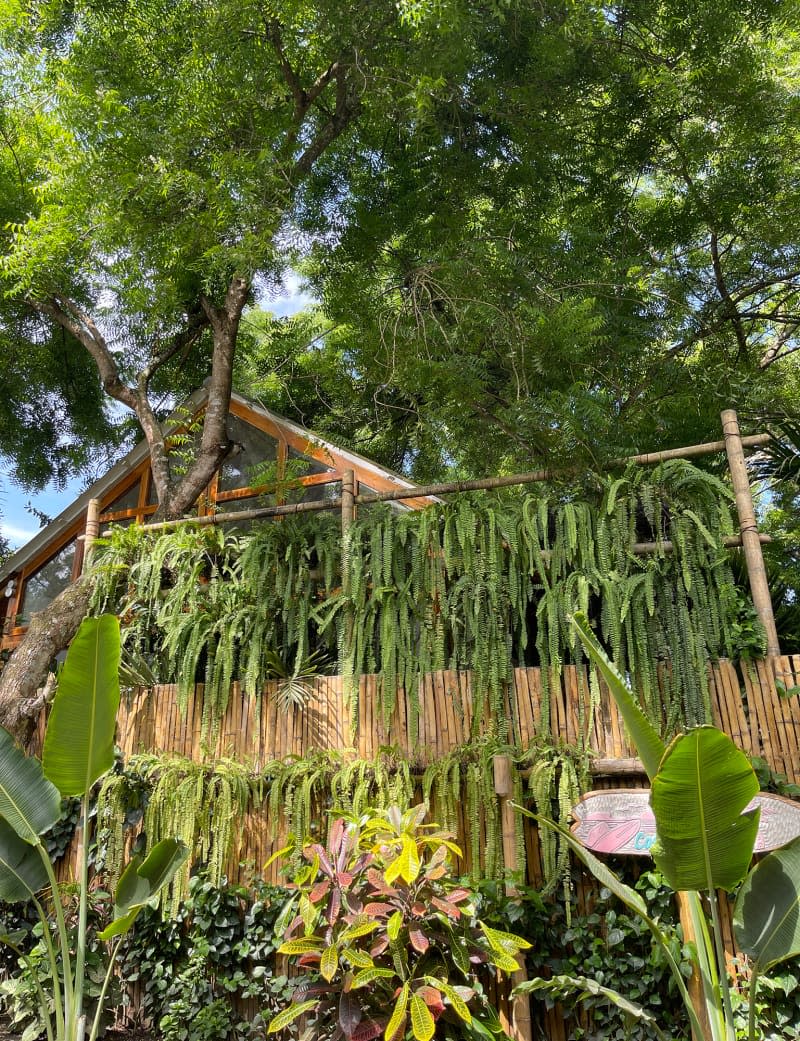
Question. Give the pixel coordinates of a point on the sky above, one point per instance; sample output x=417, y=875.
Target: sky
x=18, y=525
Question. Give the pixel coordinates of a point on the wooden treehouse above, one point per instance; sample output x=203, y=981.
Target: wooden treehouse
x=450, y=708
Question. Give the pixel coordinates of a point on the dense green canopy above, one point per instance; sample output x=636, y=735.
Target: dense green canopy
x=585, y=250
x=537, y=232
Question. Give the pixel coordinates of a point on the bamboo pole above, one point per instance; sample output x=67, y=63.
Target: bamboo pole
x=449, y=487
x=348, y=499
x=521, y=1027
x=751, y=544
x=92, y=529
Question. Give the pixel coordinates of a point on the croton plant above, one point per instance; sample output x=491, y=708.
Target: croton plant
x=389, y=937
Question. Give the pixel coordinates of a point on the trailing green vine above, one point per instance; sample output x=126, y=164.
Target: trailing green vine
x=557, y=777
x=481, y=585
x=303, y=789
x=202, y=804
x=205, y=804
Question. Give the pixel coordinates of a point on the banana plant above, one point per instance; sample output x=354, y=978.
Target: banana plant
x=701, y=786
x=78, y=750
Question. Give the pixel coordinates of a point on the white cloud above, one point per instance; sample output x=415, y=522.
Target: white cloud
x=17, y=536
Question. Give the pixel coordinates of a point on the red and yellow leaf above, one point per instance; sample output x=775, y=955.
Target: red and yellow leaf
x=289, y=1015
x=397, y=1020
x=419, y=941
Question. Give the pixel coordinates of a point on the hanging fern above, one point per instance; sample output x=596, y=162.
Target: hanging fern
x=477, y=584
x=303, y=789
x=557, y=776
x=203, y=804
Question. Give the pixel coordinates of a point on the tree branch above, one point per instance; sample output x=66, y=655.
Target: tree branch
x=291, y=78
x=186, y=338
x=214, y=442
x=722, y=288
x=70, y=317
x=347, y=108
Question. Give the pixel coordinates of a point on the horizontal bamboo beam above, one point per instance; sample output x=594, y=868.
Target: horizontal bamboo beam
x=488, y=483
x=446, y=488
x=617, y=768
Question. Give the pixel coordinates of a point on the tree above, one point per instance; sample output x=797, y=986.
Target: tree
x=160, y=152
x=561, y=222
x=609, y=266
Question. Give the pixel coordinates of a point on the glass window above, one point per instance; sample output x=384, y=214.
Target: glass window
x=44, y=585
x=127, y=500
x=315, y=492
x=255, y=460
x=300, y=465
x=395, y=504
x=253, y=502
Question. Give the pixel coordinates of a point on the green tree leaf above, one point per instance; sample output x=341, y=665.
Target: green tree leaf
x=28, y=801
x=766, y=915
x=22, y=873
x=79, y=742
x=698, y=797
x=141, y=881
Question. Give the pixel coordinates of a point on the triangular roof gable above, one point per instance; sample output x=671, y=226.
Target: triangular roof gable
x=292, y=438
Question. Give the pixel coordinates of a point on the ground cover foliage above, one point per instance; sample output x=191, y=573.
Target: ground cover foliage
x=482, y=584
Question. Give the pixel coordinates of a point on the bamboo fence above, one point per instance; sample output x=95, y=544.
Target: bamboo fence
x=745, y=703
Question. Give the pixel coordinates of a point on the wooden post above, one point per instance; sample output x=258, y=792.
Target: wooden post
x=348, y=499
x=349, y=621
x=92, y=529
x=520, y=1028
x=751, y=543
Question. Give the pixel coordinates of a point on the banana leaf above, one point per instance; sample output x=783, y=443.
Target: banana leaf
x=79, y=742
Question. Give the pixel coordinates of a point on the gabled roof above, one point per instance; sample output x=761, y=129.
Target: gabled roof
x=246, y=408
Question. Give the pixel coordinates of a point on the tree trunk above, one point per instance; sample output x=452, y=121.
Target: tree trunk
x=23, y=689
